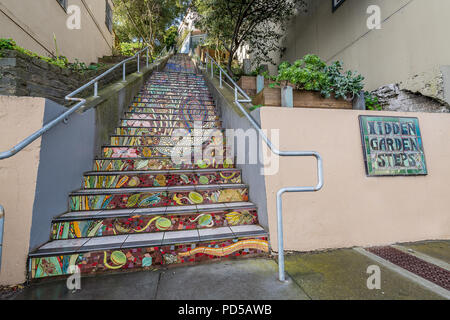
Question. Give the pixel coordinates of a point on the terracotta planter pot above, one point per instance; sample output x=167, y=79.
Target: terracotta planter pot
x=271, y=97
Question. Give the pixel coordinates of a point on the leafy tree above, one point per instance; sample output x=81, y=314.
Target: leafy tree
x=258, y=23
x=170, y=37
x=146, y=21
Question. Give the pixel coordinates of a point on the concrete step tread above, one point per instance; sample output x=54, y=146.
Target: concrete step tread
x=168, y=211
x=72, y=246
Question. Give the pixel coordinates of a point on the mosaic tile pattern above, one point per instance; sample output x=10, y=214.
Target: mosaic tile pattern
x=165, y=141
x=138, y=209
x=149, y=257
x=168, y=124
x=172, y=117
x=158, y=164
x=207, y=151
x=152, y=223
x=156, y=199
x=160, y=180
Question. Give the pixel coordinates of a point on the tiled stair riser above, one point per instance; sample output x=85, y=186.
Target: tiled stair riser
x=174, y=90
x=180, y=93
x=137, y=224
x=164, y=131
x=175, y=99
x=156, y=164
x=207, y=151
x=172, y=82
x=146, y=141
x=172, y=111
x=160, y=180
x=171, y=117
x=192, y=103
x=168, y=106
x=170, y=124
x=148, y=257
x=156, y=199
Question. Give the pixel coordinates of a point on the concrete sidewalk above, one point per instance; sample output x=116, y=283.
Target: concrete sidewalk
x=332, y=275
x=232, y=280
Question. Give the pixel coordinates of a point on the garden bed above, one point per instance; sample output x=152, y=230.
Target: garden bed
x=271, y=97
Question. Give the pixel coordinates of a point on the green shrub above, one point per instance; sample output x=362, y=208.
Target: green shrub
x=7, y=44
x=372, y=102
x=60, y=61
x=312, y=74
x=129, y=48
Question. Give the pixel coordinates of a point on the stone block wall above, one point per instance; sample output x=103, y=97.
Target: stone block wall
x=22, y=75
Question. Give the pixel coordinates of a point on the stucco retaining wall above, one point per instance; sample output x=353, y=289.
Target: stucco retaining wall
x=35, y=183
x=353, y=209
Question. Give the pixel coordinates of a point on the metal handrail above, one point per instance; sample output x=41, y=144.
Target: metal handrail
x=247, y=99
x=70, y=97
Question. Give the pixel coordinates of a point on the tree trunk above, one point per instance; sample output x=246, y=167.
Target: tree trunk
x=230, y=63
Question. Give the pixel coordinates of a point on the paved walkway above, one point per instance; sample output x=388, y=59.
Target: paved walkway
x=337, y=274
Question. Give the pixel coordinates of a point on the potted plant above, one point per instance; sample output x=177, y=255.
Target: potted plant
x=315, y=85
x=248, y=82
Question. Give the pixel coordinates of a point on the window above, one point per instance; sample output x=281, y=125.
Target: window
x=63, y=4
x=109, y=17
x=337, y=4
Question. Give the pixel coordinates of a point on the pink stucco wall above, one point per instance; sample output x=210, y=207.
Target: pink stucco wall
x=353, y=209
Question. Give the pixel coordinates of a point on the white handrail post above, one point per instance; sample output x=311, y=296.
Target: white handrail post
x=138, y=64
x=96, y=89
x=221, y=79
x=124, y=72
x=212, y=68
x=281, y=273
x=147, y=56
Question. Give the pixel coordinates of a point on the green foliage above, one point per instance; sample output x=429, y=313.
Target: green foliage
x=260, y=24
x=129, y=48
x=146, y=20
x=182, y=38
x=258, y=70
x=312, y=74
x=60, y=61
x=372, y=102
x=253, y=108
x=7, y=44
x=170, y=37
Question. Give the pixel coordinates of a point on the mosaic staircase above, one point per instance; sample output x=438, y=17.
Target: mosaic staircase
x=138, y=209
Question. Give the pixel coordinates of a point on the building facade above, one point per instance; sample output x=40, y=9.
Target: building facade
x=407, y=48
x=88, y=36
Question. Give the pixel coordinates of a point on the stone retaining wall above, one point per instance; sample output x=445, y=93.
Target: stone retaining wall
x=22, y=75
